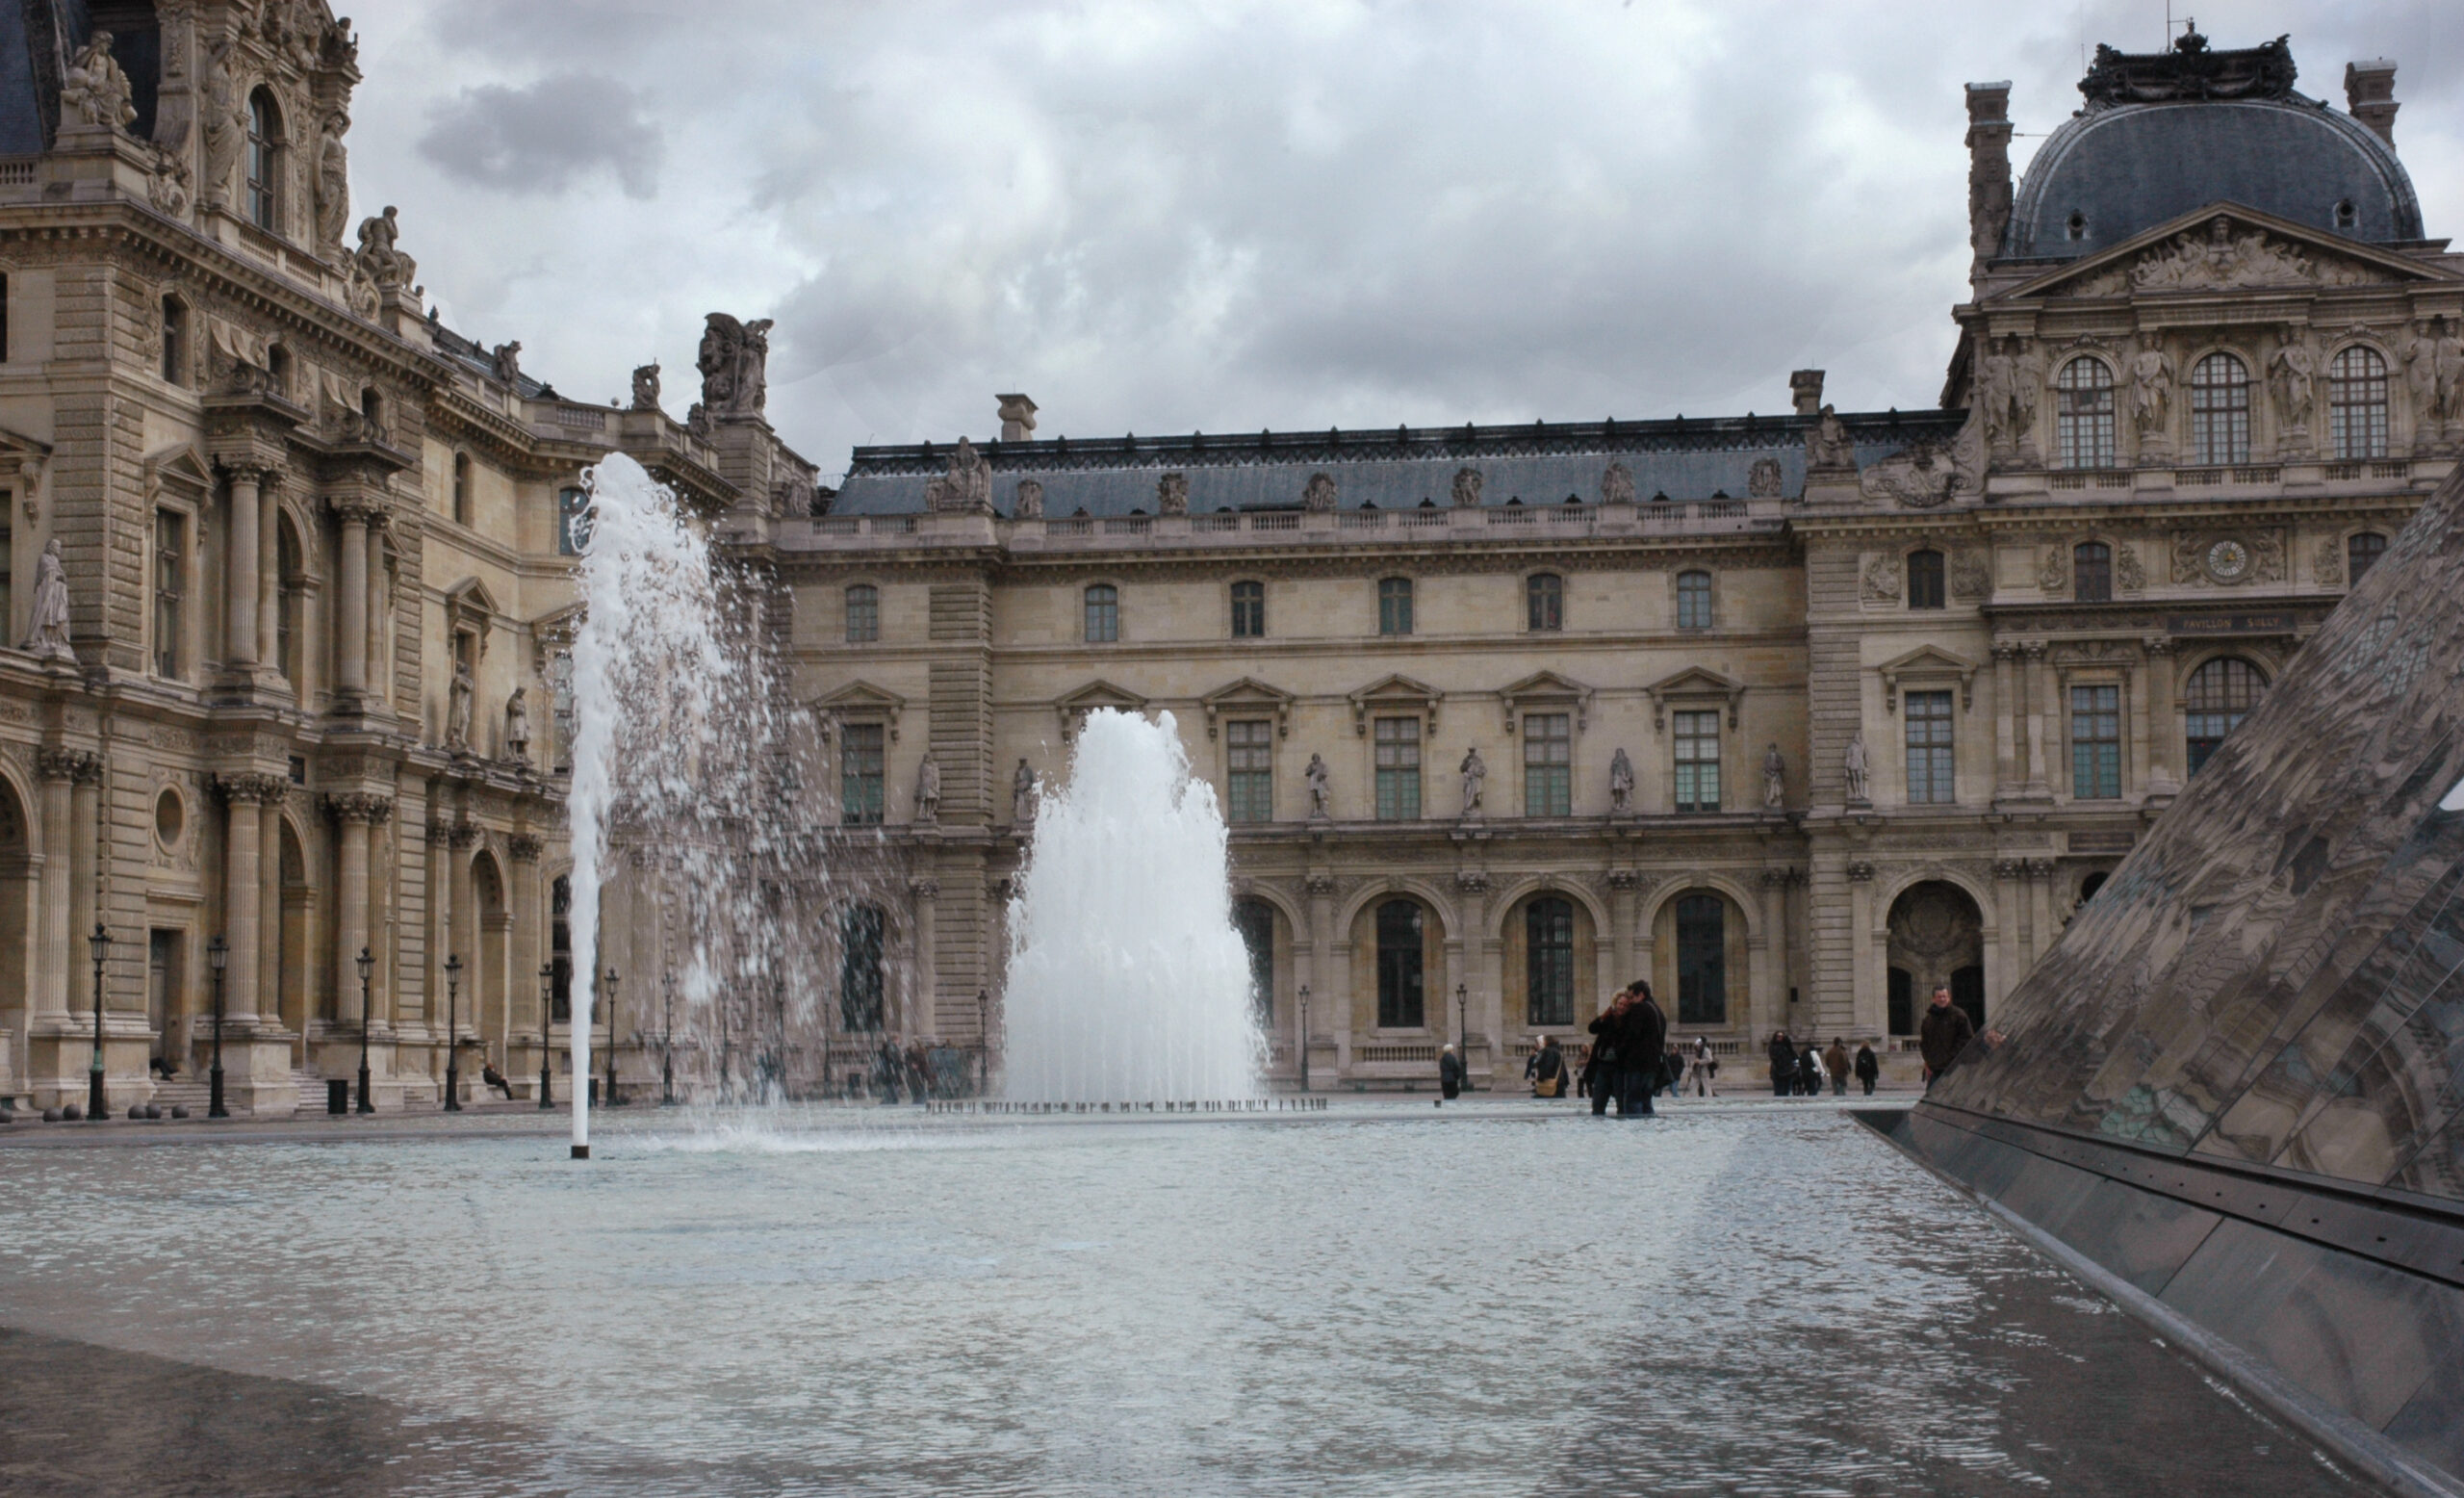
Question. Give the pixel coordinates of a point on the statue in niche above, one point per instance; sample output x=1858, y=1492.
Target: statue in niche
x=95, y=93
x=2447, y=369
x=1775, y=778
x=333, y=180
x=385, y=264
x=1764, y=480
x=1828, y=444
x=646, y=386
x=733, y=360
x=1857, y=768
x=47, y=628
x=1476, y=779
x=1315, y=777
x=517, y=726
x=1467, y=487
x=1029, y=502
x=2151, y=388
x=508, y=362
x=2291, y=377
x=1172, y=495
x=1022, y=794
x=457, y=709
x=928, y=790
x=224, y=125
x=1318, y=495
x=1621, y=784
x=1617, y=485
x=1993, y=385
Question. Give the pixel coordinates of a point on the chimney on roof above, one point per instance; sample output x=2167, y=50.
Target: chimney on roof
x=1017, y=418
x=1989, y=170
x=2370, y=93
x=1807, y=386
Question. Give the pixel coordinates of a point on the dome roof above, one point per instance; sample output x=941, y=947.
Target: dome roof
x=2167, y=134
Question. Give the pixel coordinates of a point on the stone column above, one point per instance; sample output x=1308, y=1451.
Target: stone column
x=1468, y=960
x=267, y=1008
x=2038, y=780
x=1621, y=884
x=85, y=837
x=268, y=568
x=351, y=632
x=2006, y=714
x=377, y=683
x=927, y=891
x=60, y=770
x=239, y=569
x=2164, y=727
x=1865, y=992
x=357, y=814
x=526, y=943
x=1775, y=924
x=1328, y=999
x=247, y=795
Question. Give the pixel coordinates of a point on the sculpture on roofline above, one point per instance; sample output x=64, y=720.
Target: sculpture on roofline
x=735, y=364
x=94, y=90
x=646, y=386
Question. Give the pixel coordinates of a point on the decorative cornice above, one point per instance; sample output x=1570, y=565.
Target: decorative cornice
x=357, y=806
x=252, y=789
x=524, y=848
x=79, y=765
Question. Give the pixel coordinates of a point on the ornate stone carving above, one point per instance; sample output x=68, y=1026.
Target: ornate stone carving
x=1928, y=475
x=2190, y=70
x=1861, y=872
x=924, y=887
x=967, y=488
x=735, y=363
x=1775, y=778
x=2152, y=393
x=1476, y=777
x=1617, y=484
x=524, y=847
x=359, y=806
x=2434, y=376
x=82, y=765
x=517, y=726
x=1467, y=486
x=47, y=622
x=1624, y=879
x=2053, y=571
x=1022, y=794
x=457, y=709
x=1315, y=778
x=223, y=121
x=95, y=93
x=506, y=361
x=1030, y=501
x=2127, y=570
x=1857, y=767
x=1471, y=881
x=1318, y=495
x=928, y=790
x=385, y=264
x=1321, y=886
x=333, y=181
x=2008, y=382
x=2266, y=557
x=461, y=834
x=2327, y=563
x=2292, y=379
x=646, y=386
x=1172, y=495
x=1620, y=782
x=2187, y=565
x=1828, y=446
x=1881, y=581
x=167, y=185
x=1763, y=480
x=1971, y=576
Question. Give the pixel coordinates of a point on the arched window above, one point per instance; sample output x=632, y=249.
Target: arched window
x=1925, y=579
x=371, y=411
x=1693, y=600
x=1399, y=965
x=2089, y=886
x=2083, y=422
x=2221, y=410
x=2220, y=694
x=265, y=162
x=860, y=969
x=2092, y=572
x=278, y=371
x=1394, y=605
x=560, y=950
x=1255, y=921
x=1544, y=598
x=2358, y=404
x=461, y=488
x=2362, y=550
x=863, y=614
x=1103, y=614
x=175, y=341
x=1702, y=959
x=1248, y=610
x=1548, y=960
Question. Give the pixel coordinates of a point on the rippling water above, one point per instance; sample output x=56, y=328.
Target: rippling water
x=1738, y=1299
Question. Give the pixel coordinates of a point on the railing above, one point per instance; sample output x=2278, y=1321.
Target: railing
x=1360, y=520
x=2071, y=480
x=2399, y=469
x=1210, y=523
x=1392, y=1053
x=2199, y=478
x=1720, y=510
x=1135, y=525
x=2337, y=472
x=839, y=525
x=893, y=524
x=1280, y=520
x=1426, y=517
x=1073, y=527
x=581, y=418
x=17, y=172
x=2258, y=476
x=1514, y=516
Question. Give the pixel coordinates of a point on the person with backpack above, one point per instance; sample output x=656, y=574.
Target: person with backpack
x=1810, y=1071
x=1869, y=1067
x=1783, y=1064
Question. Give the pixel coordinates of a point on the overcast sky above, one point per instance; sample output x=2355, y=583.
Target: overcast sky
x=1292, y=214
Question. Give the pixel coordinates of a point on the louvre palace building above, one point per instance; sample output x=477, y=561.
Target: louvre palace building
x=1795, y=715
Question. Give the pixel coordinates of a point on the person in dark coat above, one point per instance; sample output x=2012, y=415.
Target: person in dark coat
x=1942, y=1034
x=1869, y=1067
x=1599, y=1072
x=1546, y=1070
x=889, y=1069
x=1808, y=1071
x=1783, y=1064
x=1451, y=1073
x=1643, y=1038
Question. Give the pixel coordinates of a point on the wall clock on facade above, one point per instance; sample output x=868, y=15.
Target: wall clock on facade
x=2228, y=561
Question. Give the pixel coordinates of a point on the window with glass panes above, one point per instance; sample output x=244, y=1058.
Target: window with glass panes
x=1400, y=964
x=1693, y=600
x=859, y=774
x=1249, y=749
x=861, y=930
x=863, y=614
x=1698, y=761
x=2361, y=552
x=1103, y=613
x=2092, y=572
x=1397, y=747
x=2358, y=404
x=2218, y=695
x=171, y=590
x=1702, y=959
x=1394, y=605
x=1544, y=598
x=2221, y=410
x=1255, y=921
x=1248, y=610
x=1548, y=960
x=1929, y=747
x=1925, y=579
x=1547, y=764
x=2083, y=415
x=2096, y=743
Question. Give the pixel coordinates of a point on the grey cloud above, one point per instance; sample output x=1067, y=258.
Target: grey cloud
x=546, y=135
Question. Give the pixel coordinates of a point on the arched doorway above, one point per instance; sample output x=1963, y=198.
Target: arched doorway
x=1552, y=965
x=287, y=984
x=16, y=902
x=1399, y=982
x=1937, y=940
x=1699, y=962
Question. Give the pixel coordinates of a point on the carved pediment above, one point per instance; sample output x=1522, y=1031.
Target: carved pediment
x=859, y=701
x=1250, y=695
x=1691, y=687
x=1928, y=663
x=469, y=606
x=1394, y=691
x=1098, y=693
x=2225, y=247
x=1546, y=689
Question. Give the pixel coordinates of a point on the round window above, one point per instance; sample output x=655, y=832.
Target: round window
x=170, y=818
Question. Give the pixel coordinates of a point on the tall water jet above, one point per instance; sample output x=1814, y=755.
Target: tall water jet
x=1128, y=982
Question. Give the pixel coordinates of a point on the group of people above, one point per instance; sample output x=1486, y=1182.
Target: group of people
x=1802, y=1073
x=1628, y=1063
x=919, y=1072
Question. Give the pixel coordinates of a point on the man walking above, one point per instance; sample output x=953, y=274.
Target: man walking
x=1641, y=1044
x=1835, y=1062
x=1451, y=1073
x=1546, y=1070
x=1869, y=1067
x=1943, y=1034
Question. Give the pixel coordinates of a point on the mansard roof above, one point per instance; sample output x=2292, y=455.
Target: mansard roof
x=1394, y=467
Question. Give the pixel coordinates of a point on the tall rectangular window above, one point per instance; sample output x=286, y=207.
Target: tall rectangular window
x=863, y=614
x=1548, y=960
x=1248, y=610
x=2362, y=551
x=2096, y=743
x=2092, y=572
x=1400, y=964
x=175, y=341
x=1702, y=959
x=1925, y=579
x=2358, y=404
x=1103, y=614
x=2221, y=410
x=859, y=775
x=1693, y=600
x=1698, y=762
x=1547, y=766
x=171, y=590
x=1928, y=748
x=1399, y=770
x=1394, y=605
x=1249, y=745
x=1544, y=602
x=2082, y=420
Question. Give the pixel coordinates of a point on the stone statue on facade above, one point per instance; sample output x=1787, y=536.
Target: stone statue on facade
x=1763, y=481
x=1775, y=778
x=928, y=790
x=457, y=710
x=223, y=121
x=2447, y=370
x=2152, y=390
x=1476, y=779
x=1317, y=496
x=967, y=488
x=1828, y=445
x=1172, y=495
x=735, y=364
x=1617, y=485
x=1857, y=768
x=1022, y=793
x=2291, y=377
x=1621, y=784
x=95, y=93
x=646, y=386
x=1029, y=502
x=1467, y=487
x=333, y=180
x=517, y=726
x=1315, y=778
x=47, y=625
x=385, y=264
x=506, y=361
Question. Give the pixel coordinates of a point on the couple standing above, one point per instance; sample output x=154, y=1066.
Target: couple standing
x=1628, y=1044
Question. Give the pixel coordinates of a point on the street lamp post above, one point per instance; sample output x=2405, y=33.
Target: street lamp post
x=453, y=1033
x=217, y=955
x=667, y=1045
x=366, y=962
x=611, y=1036
x=983, y=1037
x=1463, y=1031
x=547, y=1016
x=1304, y=1037
x=724, y=1080
x=98, y=1108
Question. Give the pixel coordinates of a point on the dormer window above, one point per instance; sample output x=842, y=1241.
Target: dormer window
x=2346, y=215
x=2078, y=225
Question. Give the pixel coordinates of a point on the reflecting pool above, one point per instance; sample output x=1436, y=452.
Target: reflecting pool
x=1737, y=1298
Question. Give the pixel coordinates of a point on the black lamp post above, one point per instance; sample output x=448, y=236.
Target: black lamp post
x=217, y=955
x=1463, y=1031
x=1304, y=1037
x=366, y=962
x=611, y=1036
x=547, y=1016
x=724, y=1041
x=984, y=1032
x=667, y=1045
x=98, y=1108
x=453, y=1033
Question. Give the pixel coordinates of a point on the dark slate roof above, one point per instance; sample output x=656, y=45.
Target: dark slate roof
x=470, y=354
x=1395, y=468
x=2165, y=134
